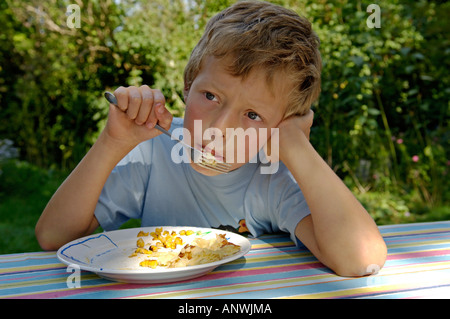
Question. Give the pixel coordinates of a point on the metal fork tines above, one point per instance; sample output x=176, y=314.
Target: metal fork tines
x=200, y=157
x=210, y=162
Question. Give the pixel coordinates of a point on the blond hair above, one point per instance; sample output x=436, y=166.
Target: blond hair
x=259, y=34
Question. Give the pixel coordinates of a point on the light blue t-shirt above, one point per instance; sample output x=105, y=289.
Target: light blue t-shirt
x=148, y=185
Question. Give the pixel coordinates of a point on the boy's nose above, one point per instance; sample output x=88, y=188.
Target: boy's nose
x=224, y=119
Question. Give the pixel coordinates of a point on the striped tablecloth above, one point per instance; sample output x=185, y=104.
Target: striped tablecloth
x=418, y=266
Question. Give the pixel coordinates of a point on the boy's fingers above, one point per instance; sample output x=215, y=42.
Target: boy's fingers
x=146, y=105
x=164, y=117
x=134, y=102
x=121, y=95
x=159, y=97
x=158, y=100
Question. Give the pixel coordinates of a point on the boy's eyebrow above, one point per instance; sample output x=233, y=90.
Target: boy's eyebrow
x=211, y=83
x=205, y=82
x=261, y=107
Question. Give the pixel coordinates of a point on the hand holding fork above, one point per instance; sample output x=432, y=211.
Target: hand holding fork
x=145, y=107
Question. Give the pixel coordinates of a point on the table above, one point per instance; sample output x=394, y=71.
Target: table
x=418, y=266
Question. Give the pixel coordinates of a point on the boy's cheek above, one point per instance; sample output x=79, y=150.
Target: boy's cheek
x=240, y=150
x=194, y=113
x=193, y=122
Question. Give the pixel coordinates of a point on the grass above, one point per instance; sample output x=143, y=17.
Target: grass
x=17, y=219
x=26, y=189
x=24, y=192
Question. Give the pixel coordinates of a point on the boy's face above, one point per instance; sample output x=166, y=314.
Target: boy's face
x=223, y=103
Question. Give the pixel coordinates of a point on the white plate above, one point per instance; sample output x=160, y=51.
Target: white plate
x=107, y=255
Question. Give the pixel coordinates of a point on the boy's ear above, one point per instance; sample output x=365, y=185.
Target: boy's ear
x=187, y=87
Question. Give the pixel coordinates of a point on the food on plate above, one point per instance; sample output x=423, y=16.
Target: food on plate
x=152, y=263
x=142, y=234
x=162, y=249
x=140, y=243
x=203, y=251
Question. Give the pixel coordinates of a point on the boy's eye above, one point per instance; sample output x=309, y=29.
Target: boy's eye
x=210, y=96
x=253, y=116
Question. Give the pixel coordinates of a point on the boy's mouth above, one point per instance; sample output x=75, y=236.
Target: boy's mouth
x=217, y=155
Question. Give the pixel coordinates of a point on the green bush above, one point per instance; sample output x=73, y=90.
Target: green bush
x=392, y=208
x=381, y=121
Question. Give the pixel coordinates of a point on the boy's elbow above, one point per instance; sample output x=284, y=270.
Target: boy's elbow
x=52, y=237
x=48, y=246
x=42, y=239
x=366, y=261
x=45, y=238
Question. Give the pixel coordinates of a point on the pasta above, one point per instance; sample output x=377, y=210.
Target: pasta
x=162, y=249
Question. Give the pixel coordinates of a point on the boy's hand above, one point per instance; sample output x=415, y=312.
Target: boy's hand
x=288, y=133
x=139, y=110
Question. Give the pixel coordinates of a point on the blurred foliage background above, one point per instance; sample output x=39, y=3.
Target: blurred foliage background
x=381, y=122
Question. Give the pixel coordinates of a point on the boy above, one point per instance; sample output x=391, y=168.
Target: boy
x=257, y=66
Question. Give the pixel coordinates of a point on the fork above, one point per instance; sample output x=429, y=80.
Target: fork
x=202, y=158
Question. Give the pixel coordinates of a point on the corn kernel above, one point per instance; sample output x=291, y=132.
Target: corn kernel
x=154, y=248
x=182, y=232
x=159, y=230
x=142, y=251
x=149, y=263
x=178, y=241
x=142, y=234
x=140, y=243
x=189, y=232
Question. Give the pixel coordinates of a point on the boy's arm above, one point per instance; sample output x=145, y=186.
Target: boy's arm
x=339, y=231
x=70, y=212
